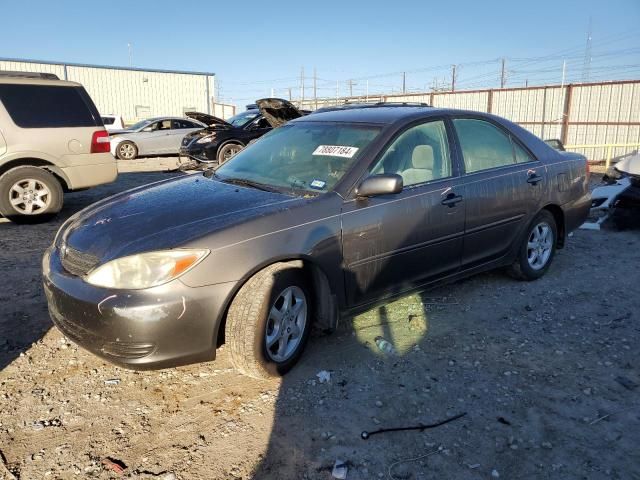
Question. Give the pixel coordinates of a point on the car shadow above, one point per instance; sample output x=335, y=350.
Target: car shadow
x=24, y=318
x=318, y=425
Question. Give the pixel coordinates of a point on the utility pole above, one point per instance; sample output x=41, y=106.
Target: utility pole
x=503, y=74
x=301, y=86
x=453, y=78
x=404, y=82
x=315, y=91
x=586, y=66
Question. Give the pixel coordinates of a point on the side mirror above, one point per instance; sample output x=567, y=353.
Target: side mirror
x=383, y=184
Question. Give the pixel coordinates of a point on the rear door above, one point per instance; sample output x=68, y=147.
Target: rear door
x=393, y=242
x=180, y=128
x=503, y=188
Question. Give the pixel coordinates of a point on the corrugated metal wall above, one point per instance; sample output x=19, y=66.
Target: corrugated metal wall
x=133, y=94
x=596, y=113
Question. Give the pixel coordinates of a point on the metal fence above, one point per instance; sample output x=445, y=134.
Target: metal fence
x=584, y=115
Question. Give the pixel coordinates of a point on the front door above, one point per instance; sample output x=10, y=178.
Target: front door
x=504, y=185
x=393, y=242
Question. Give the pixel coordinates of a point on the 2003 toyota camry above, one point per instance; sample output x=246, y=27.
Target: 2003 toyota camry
x=325, y=214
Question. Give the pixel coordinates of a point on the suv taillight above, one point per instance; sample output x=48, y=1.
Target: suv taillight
x=100, y=142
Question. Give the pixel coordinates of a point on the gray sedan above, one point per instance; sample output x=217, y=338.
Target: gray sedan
x=154, y=136
x=329, y=213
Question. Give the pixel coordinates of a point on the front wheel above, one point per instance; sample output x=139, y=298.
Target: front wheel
x=268, y=322
x=29, y=194
x=126, y=150
x=227, y=152
x=537, y=248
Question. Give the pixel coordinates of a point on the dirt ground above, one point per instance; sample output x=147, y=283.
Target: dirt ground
x=547, y=373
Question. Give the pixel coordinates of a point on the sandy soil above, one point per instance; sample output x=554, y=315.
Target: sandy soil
x=547, y=373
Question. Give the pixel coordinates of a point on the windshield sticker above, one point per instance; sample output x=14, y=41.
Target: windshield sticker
x=335, y=151
x=318, y=184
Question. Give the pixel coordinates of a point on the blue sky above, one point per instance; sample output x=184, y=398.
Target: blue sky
x=256, y=46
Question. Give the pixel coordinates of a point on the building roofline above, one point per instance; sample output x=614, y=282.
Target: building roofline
x=108, y=67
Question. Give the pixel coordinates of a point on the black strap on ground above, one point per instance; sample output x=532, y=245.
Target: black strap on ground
x=365, y=435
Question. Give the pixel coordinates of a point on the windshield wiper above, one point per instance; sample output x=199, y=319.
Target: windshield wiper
x=248, y=183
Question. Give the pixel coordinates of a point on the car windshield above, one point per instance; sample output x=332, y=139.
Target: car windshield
x=138, y=126
x=242, y=118
x=303, y=156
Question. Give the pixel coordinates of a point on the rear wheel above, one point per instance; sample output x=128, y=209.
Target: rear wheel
x=228, y=151
x=126, y=150
x=537, y=248
x=268, y=322
x=29, y=194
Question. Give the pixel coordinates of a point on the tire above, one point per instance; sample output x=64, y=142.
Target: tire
x=537, y=248
x=29, y=195
x=227, y=151
x=126, y=150
x=251, y=322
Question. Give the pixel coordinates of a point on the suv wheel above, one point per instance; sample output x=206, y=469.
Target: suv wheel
x=228, y=151
x=126, y=150
x=29, y=194
x=537, y=248
x=268, y=322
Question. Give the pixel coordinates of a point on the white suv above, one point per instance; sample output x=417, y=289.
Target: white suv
x=51, y=140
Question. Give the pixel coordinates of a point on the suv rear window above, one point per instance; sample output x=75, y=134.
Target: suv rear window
x=44, y=106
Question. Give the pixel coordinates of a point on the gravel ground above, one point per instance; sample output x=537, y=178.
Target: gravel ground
x=547, y=373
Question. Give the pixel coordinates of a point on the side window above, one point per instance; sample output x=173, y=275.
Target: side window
x=47, y=106
x=522, y=155
x=484, y=145
x=177, y=124
x=418, y=155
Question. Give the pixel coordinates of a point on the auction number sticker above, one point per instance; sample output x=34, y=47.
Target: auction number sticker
x=335, y=151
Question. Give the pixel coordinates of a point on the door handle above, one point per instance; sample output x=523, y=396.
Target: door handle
x=534, y=179
x=451, y=200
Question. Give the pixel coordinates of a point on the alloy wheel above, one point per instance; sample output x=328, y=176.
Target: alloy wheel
x=29, y=196
x=126, y=151
x=286, y=324
x=540, y=245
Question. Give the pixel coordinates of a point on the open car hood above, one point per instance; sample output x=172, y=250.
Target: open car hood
x=277, y=111
x=207, y=119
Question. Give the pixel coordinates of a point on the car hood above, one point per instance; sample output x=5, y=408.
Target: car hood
x=167, y=215
x=277, y=111
x=208, y=119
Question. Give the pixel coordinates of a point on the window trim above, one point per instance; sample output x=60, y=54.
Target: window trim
x=512, y=137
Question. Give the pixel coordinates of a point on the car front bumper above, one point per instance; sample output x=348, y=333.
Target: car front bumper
x=200, y=154
x=160, y=327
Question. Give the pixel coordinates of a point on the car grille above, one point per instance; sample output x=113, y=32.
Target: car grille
x=77, y=263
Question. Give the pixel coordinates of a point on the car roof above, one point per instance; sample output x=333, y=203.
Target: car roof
x=37, y=81
x=380, y=113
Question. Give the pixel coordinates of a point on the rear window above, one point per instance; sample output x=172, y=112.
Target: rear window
x=44, y=106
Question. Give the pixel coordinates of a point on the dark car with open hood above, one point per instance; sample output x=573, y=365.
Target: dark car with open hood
x=328, y=213
x=222, y=139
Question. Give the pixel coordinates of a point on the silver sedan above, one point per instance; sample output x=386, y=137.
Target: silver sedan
x=154, y=136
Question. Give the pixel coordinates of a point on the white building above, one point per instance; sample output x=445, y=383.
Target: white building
x=134, y=93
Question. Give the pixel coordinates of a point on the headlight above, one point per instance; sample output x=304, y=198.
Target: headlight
x=145, y=270
x=207, y=138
